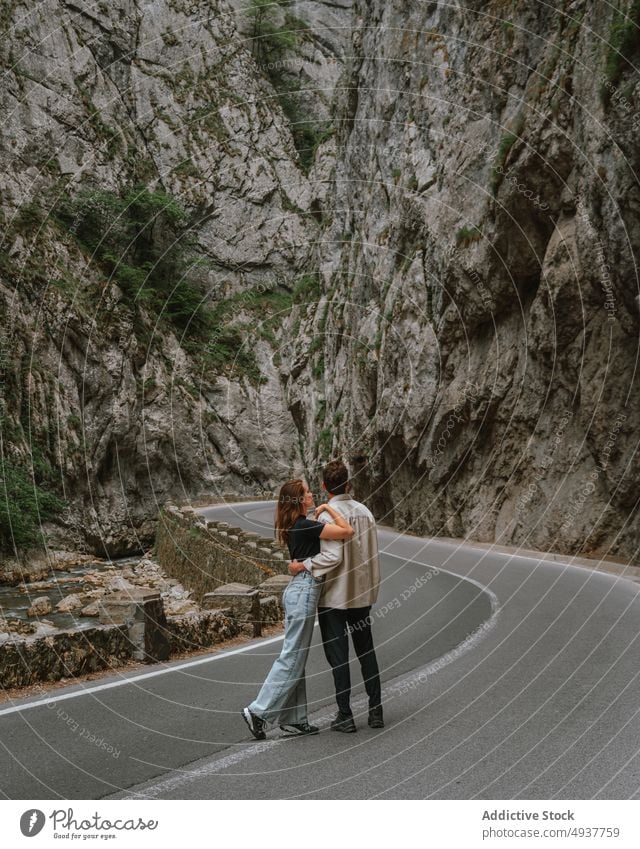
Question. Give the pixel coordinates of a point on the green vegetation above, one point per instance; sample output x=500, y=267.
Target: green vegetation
x=26, y=500
x=187, y=169
x=142, y=240
x=30, y=485
x=624, y=46
x=270, y=42
x=307, y=289
x=316, y=344
x=467, y=235
x=308, y=133
x=318, y=368
x=504, y=148
x=209, y=117
x=227, y=351
x=272, y=45
x=103, y=132
x=169, y=38
x=29, y=217
x=229, y=347
x=325, y=441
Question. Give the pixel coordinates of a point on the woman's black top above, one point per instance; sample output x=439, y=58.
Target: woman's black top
x=304, y=538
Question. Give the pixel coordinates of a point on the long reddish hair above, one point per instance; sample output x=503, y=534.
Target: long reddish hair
x=290, y=502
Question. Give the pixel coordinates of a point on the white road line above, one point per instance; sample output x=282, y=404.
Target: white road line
x=121, y=682
x=143, y=676
x=177, y=778
x=542, y=557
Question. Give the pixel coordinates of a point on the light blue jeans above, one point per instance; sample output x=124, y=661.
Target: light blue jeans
x=283, y=697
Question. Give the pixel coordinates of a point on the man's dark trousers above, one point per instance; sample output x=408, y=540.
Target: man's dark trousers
x=335, y=627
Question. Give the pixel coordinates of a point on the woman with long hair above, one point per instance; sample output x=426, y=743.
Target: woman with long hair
x=282, y=699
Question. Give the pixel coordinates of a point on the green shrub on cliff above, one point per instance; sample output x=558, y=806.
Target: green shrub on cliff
x=25, y=502
x=142, y=239
x=270, y=41
x=275, y=35
x=624, y=44
x=235, y=325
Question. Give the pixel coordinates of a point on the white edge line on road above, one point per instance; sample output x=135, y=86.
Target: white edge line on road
x=548, y=557
x=121, y=682
x=170, y=781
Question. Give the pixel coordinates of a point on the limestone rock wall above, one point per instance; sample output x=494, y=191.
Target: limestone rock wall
x=102, y=98
x=461, y=244
x=475, y=343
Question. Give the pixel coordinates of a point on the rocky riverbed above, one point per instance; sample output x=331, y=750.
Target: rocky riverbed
x=69, y=597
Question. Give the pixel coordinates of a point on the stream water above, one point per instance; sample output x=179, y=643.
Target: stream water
x=15, y=601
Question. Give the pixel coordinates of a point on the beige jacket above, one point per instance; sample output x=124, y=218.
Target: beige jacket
x=351, y=569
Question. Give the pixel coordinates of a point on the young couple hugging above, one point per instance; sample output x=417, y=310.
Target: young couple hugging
x=335, y=569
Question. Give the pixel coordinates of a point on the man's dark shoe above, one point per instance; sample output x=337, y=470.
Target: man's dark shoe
x=299, y=729
x=256, y=725
x=376, y=719
x=343, y=723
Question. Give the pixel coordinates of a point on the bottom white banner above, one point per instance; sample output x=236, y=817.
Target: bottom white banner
x=266, y=824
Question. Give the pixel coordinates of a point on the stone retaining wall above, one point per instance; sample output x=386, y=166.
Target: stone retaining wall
x=204, y=556
x=62, y=655
x=237, y=576
x=65, y=654
x=198, y=630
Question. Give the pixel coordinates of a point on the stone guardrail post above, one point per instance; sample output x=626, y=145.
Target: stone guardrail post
x=141, y=611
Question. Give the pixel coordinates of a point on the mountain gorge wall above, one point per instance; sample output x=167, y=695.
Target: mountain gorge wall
x=121, y=407
x=419, y=220
x=479, y=306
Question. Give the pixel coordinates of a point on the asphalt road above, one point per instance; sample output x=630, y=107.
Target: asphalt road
x=503, y=676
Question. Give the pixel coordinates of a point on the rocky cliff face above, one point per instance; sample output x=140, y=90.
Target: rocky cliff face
x=478, y=320
x=119, y=404
x=447, y=196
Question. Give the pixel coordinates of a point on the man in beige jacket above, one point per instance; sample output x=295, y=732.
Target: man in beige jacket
x=351, y=573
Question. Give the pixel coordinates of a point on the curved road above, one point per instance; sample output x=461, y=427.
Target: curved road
x=504, y=677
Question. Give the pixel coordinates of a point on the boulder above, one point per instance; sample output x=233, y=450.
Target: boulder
x=19, y=626
x=40, y=606
x=119, y=584
x=69, y=603
x=44, y=627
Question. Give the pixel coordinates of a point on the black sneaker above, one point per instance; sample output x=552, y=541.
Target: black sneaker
x=298, y=729
x=343, y=723
x=256, y=725
x=375, y=717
